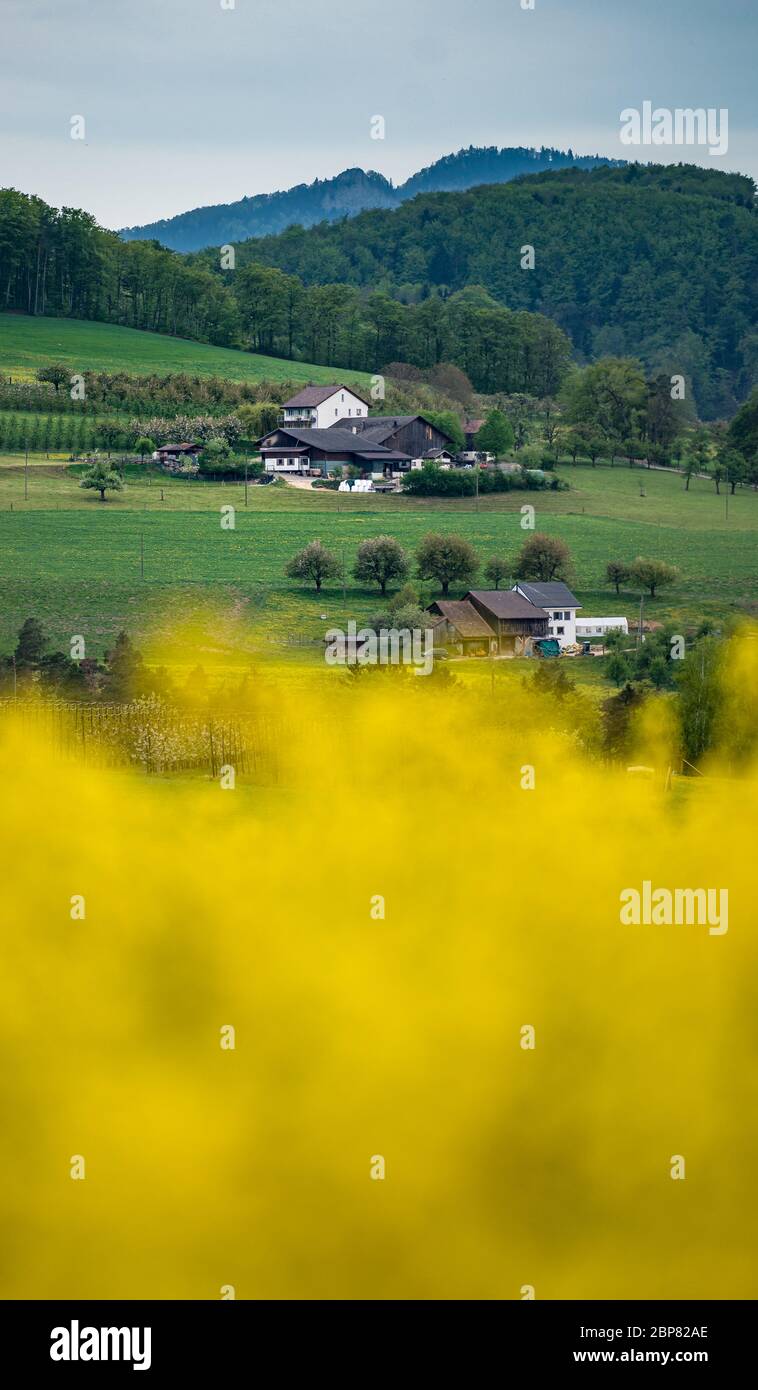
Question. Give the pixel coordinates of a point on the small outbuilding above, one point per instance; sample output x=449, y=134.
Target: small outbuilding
x=457, y=624
x=177, y=453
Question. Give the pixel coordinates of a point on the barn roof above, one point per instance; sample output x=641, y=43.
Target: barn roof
x=506, y=603
x=382, y=426
x=462, y=616
x=342, y=441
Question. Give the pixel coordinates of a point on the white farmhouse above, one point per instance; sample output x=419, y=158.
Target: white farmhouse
x=560, y=605
x=319, y=407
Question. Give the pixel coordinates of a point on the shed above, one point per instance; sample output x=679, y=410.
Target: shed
x=457, y=623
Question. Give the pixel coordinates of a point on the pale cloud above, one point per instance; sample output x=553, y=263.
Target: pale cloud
x=188, y=104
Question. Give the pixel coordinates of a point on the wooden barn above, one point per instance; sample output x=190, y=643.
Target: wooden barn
x=457, y=624
x=489, y=621
x=412, y=435
x=515, y=622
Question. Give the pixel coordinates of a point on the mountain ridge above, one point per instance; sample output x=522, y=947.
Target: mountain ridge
x=350, y=192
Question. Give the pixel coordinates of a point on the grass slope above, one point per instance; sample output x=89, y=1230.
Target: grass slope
x=78, y=568
x=28, y=343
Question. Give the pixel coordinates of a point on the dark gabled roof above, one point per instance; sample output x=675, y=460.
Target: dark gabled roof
x=462, y=616
x=550, y=595
x=344, y=441
x=381, y=426
x=316, y=395
x=286, y=449
x=176, y=448
x=384, y=455
x=506, y=603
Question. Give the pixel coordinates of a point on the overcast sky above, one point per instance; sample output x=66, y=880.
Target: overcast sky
x=188, y=103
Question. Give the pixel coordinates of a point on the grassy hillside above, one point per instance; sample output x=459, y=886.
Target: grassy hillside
x=28, y=343
x=78, y=568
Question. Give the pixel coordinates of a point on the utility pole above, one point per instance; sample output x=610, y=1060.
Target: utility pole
x=639, y=630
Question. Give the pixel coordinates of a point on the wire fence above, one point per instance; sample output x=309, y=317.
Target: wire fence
x=151, y=734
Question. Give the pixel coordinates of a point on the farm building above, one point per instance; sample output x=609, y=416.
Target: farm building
x=412, y=435
x=176, y=453
x=471, y=429
x=456, y=623
x=560, y=605
x=594, y=629
x=318, y=407
x=442, y=457
x=513, y=623
x=321, y=451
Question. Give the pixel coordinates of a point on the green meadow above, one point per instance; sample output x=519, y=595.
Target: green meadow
x=28, y=343
x=156, y=556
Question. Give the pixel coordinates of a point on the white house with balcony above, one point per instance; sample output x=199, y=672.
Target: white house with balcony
x=320, y=407
x=560, y=605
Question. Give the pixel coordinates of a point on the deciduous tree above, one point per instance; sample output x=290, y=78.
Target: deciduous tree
x=543, y=558
x=446, y=559
x=496, y=570
x=101, y=478
x=617, y=572
x=314, y=562
x=652, y=574
x=380, y=559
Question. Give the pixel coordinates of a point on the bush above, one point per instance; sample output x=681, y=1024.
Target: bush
x=433, y=481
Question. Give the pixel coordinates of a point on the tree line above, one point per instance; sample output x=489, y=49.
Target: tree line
x=451, y=559
x=60, y=262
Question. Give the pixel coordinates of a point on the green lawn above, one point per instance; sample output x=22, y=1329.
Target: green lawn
x=28, y=343
x=76, y=563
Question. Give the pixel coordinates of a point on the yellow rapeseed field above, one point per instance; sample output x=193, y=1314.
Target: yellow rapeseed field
x=382, y=931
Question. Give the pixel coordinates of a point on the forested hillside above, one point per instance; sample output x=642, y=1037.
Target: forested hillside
x=657, y=262
x=654, y=263
x=347, y=194
x=62, y=263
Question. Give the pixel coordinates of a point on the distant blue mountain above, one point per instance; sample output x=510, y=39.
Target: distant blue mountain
x=349, y=193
